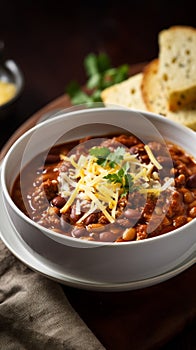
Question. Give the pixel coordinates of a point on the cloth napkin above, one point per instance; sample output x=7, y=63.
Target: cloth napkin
x=35, y=313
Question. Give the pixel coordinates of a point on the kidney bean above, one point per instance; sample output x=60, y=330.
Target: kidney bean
x=91, y=219
x=132, y=213
x=106, y=236
x=123, y=222
x=58, y=201
x=191, y=182
x=78, y=232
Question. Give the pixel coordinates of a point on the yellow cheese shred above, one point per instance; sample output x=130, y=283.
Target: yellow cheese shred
x=71, y=199
x=94, y=187
x=152, y=157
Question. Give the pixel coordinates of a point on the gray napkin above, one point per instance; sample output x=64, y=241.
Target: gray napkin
x=35, y=313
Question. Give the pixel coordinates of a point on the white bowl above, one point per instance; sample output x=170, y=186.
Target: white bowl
x=102, y=262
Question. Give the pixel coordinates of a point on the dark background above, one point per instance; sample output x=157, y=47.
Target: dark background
x=49, y=40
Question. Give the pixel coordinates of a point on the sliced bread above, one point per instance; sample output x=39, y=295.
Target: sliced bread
x=127, y=93
x=155, y=97
x=177, y=65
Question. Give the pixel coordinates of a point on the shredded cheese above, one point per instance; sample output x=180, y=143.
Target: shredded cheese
x=71, y=199
x=152, y=157
x=86, y=183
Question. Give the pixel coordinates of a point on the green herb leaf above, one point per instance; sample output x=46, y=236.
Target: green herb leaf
x=104, y=155
x=94, y=81
x=80, y=97
x=90, y=64
x=114, y=178
x=126, y=181
x=103, y=62
x=73, y=88
x=101, y=153
x=96, y=96
x=100, y=75
x=116, y=156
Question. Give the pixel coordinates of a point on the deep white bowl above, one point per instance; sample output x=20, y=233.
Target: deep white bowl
x=96, y=261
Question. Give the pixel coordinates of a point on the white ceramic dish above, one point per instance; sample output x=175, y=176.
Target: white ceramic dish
x=94, y=261
x=50, y=267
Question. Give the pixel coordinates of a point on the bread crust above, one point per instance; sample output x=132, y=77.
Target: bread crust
x=155, y=98
x=127, y=93
x=177, y=69
x=151, y=91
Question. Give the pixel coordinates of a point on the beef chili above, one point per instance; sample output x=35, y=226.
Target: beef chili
x=113, y=189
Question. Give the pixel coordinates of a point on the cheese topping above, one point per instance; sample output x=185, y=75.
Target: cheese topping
x=96, y=183
x=152, y=158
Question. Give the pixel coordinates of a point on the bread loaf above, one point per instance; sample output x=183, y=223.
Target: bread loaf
x=177, y=65
x=153, y=90
x=167, y=85
x=127, y=93
x=155, y=97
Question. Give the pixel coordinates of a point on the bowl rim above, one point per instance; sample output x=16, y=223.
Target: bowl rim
x=74, y=240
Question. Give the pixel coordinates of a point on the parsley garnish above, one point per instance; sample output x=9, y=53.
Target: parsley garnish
x=100, y=75
x=105, y=156
x=101, y=153
x=116, y=156
x=124, y=178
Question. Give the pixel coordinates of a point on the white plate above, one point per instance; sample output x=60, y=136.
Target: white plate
x=50, y=269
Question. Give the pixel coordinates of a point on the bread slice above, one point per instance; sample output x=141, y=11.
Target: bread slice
x=127, y=93
x=177, y=65
x=155, y=97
